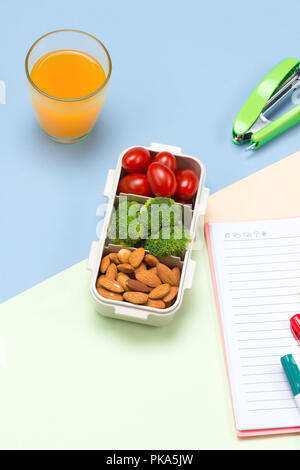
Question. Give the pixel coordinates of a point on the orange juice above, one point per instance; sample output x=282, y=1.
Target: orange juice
x=70, y=100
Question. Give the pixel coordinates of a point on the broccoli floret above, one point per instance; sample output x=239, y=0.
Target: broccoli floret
x=168, y=242
x=125, y=228
x=159, y=212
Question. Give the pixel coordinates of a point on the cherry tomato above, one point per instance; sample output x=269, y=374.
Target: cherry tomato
x=162, y=180
x=167, y=159
x=136, y=160
x=187, y=184
x=135, y=183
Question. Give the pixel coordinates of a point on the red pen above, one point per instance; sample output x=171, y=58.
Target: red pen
x=295, y=327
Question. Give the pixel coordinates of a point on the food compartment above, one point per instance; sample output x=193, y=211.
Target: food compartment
x=140, y=310
x=184, y=213
x=144, y=281
x=183, y=162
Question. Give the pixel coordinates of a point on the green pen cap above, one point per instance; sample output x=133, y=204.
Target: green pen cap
x=292, y=372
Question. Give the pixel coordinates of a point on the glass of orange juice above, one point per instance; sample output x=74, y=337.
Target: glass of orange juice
x=68, y=72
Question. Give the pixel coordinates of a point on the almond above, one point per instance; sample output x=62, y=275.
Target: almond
x=109, y=295
x=153, y=270
x=108, y=284
x=122, y=278
x=136, y=297
x=124, y=254
x=149, y=278
x=177, y=273
x=159, y=292
x=98, y=280
x=136, y=257
x=138, y=286
x=141, y=267
x=155, y=304
x=104, y=264
x=111, y=271
x=125, y=268
x=165, y=274
x=114, y=258
x=171, y=294
x=151, y=260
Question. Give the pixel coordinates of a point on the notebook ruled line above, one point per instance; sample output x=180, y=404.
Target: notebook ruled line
x=270, y=399
x=263, y=296
x=268, y=271
x=269, y=391
x=264, y=383
x=266, y=305
x=259, y=365
x=260, y=321
x=263, y=331
x=263, y=288
x=264, y=313
x=272, y=409
x=262, y=373
x=262, y=254
x=261, y=239
x=271, y=279
x=264, y=262
x=260, y=356
x=262, y=339
x=259, y=247
x=266, y=347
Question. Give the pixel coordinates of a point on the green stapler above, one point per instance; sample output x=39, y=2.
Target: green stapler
x=252, y=124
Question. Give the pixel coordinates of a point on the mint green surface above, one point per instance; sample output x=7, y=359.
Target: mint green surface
x=275, y=128
x=70, y=378
x=262, y=93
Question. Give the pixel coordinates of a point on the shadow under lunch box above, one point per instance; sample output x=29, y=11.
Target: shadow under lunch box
x=141, y=313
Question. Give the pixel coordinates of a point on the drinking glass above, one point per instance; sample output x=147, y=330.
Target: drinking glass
x=67, y=120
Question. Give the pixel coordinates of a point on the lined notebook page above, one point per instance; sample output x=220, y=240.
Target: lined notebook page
x=257, y=267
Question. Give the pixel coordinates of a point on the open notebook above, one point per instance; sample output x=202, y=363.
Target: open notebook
x=256, y=270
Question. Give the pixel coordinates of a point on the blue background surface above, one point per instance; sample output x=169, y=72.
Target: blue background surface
x=181, y=72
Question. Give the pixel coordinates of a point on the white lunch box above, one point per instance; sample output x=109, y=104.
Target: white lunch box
x=140, y=313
